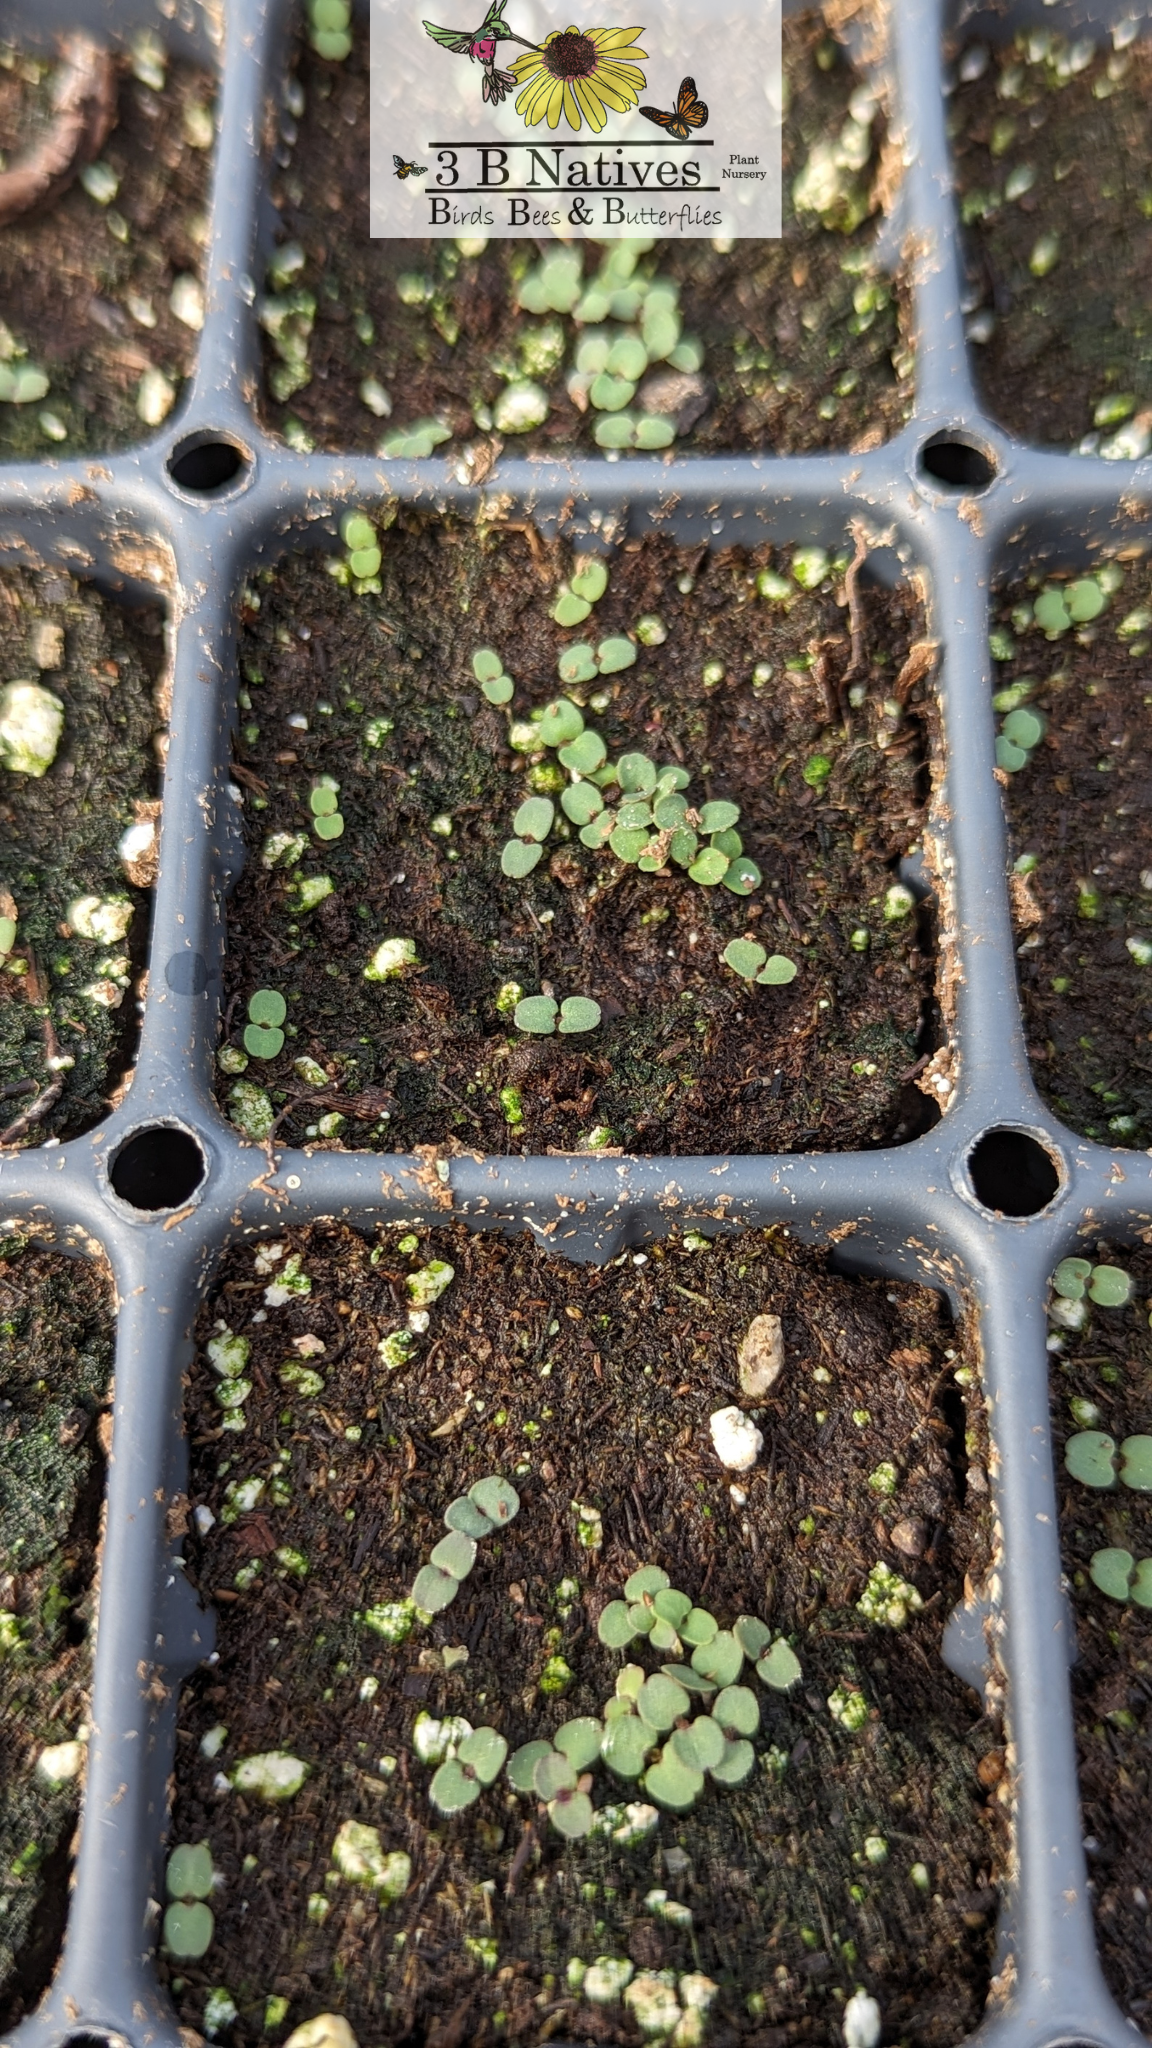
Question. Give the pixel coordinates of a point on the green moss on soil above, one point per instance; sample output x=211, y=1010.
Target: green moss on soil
x=687, y=1058
x=801, y=335
x=1079, y=335
x=1110, y=1364
x=55, y=1367
x=75, y=278
x=590, y=1386
x=1081, y=806
x=59, y=838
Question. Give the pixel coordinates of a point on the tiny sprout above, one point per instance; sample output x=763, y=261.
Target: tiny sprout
x=816, y=770
x=556, y=1677
x=589, y=1526
x=711, y=675
x=263, y=1038
x=898, y=902
x=512, y=1105
x=541, y=1016
x=809, y=567
x=651, y=631
x=884, y=1480
x=396, y=1349
x=887, y=1599
x=393, y=1621
x=390, y=960
x=1045, y=255
x=750, y=960
x=848, y=1706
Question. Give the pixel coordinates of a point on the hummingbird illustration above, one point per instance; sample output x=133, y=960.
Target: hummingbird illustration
x=480, y=45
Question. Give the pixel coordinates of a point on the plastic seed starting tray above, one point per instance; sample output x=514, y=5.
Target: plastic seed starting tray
x=982, y=1207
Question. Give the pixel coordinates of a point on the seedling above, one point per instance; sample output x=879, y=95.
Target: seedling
x=1117, y=1573
x=1020, y=734
x=1091, y=1457
x=753, y=963
x=489, y=1505
x=328, y=26
x=363, y=557
x=1108, y=1286
x=327, y=822
x=651, y=824
x=188, y=1922
x=542, y=1015
x=488, y=670
x=461, y=1779
x=263, y=1037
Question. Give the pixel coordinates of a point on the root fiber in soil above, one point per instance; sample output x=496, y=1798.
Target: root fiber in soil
x=862, y=1854
x=749, y=695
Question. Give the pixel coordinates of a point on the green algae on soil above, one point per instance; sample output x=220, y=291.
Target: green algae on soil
x=805, y=339
x=55, y=1369
x=85, y=288
x=377, y=692
x=1109, y=1363
x=1080, y=808
x=1052, y=145
x=59, y=842
x=591, y=1389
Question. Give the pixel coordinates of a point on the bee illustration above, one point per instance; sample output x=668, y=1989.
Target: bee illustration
x=404, y=170
x=690, y=112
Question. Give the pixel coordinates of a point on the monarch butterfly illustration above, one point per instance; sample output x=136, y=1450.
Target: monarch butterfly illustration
x=690, y=112
x=404, y=170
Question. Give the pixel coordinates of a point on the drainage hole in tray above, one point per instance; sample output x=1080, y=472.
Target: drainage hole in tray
x=206, y=464
x=956, y=463
x=1011, y=1172
x=158, y=1168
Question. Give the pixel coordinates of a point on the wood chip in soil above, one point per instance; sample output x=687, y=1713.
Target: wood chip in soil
x=1109, y=1364
x=378, y=692
x=591, y=1388
x=806, y=340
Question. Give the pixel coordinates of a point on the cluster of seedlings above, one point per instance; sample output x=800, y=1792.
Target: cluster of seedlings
x=649, y=1733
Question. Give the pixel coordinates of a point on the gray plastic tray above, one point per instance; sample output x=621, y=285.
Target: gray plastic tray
x=982, y=1207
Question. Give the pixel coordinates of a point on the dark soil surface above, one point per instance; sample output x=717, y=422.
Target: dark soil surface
x=1110, y=1364
x=590, y=1387
x=85, y=288
x=55, y=1372
x=59, y=839
x=1081, y=806
x=1079, y=333
x=688, y=1058
x=791, y=361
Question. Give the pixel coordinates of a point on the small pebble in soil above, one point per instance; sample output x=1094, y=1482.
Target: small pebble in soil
x=736, y=1439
